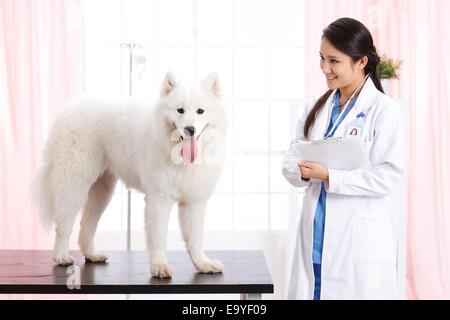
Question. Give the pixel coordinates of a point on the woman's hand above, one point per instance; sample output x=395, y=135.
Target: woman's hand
x=313, y=170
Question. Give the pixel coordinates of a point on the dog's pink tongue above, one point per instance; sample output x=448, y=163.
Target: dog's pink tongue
x=189, y=150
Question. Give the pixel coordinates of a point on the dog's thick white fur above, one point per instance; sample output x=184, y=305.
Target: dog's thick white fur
x=95, y=142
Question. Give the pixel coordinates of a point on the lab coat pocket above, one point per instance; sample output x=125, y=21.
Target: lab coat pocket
x=368, y=144
x=372, y=239
x=376, y=280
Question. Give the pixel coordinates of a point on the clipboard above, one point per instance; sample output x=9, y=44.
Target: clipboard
x=335, y=153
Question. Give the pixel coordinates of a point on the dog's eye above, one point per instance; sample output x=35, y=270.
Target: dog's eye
x=200, y=111
x=181, y=110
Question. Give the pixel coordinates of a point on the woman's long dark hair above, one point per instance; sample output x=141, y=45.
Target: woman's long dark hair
x=352, y=38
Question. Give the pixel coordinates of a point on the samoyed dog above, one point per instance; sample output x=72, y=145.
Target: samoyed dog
x=171, y=151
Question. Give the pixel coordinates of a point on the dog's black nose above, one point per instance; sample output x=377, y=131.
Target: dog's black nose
x=190, y=131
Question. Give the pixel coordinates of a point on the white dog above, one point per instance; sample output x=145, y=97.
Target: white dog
x=172, y=152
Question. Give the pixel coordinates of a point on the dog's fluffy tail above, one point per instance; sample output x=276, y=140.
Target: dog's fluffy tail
x=43, y=195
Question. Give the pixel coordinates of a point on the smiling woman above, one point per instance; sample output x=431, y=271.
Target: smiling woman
x=347, y=217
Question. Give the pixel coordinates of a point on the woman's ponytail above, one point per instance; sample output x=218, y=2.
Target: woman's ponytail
x=371, y=68
x=311, y=118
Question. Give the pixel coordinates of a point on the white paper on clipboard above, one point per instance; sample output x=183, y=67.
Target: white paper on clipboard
x=335, y=153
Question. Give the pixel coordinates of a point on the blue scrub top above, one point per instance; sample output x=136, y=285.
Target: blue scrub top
x=319, y=217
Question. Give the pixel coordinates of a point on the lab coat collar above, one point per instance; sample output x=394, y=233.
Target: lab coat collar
x=364, y=103
x=366, y=97
x=366, y=100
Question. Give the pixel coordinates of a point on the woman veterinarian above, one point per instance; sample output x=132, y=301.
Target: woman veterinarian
x=346, y=246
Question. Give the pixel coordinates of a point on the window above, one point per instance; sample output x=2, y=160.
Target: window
x=256, y=46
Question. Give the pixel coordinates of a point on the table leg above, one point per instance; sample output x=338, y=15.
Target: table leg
x=250, y=296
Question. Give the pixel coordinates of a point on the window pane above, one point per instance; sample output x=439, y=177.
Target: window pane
x=252, y=22
x=173, y=219
x=179, y=61
x=215, y=22
x=225, y=181
x=219, y=214
x=251, y=83
x=251, y=173
x=139, y=21
x=220, y=61
x=277, y=181
x=175, y=23
x=103, y=71
x=279, y=211
x=137, y=210
x=111, y=218
x=250, y=74
x=288, y=23
x=251, y=212
x=280, y=122
x=251, y=126
x=287, y=78
x=102, y=23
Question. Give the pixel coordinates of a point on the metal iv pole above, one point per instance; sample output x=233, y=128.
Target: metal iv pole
x=139, y=58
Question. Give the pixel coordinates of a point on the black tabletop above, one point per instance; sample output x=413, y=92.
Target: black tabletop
x=128, y=272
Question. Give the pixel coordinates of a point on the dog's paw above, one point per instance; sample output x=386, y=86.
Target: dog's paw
x=63, y=259
x=161, y=270
x=96, y=257
x=210, y=266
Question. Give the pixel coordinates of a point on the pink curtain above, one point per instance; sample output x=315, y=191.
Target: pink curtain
x=417, y=32
x=41, y=66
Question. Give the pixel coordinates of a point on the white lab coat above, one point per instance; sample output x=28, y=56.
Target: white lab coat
x=359, y=250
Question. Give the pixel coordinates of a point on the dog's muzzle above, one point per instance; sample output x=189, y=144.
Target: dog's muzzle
x=189, y=149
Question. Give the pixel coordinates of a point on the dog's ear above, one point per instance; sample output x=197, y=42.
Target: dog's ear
x=212, y=83
x=169, y=84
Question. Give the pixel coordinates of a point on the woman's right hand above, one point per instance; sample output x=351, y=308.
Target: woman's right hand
x=313, y=170
x=300, y=167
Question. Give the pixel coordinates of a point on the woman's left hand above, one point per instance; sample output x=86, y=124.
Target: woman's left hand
x=313, y=170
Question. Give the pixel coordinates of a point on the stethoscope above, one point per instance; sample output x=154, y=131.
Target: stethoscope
x=345, y=108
